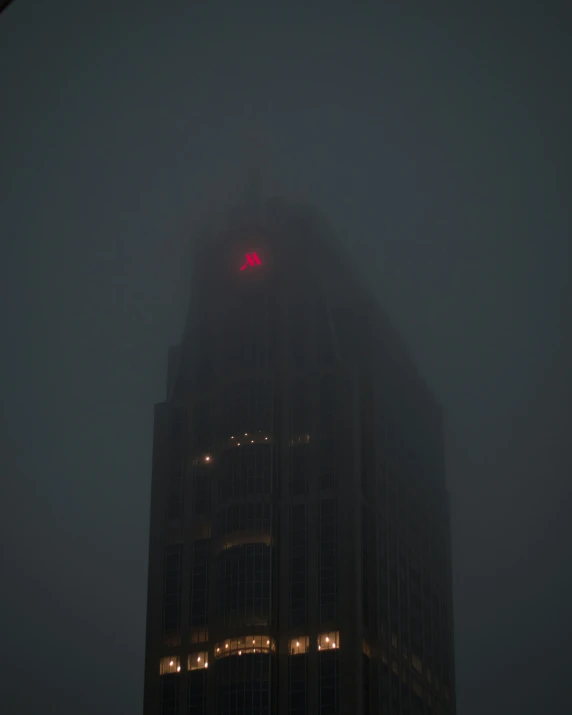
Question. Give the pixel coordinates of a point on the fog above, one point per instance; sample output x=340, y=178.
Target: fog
x=435, y=140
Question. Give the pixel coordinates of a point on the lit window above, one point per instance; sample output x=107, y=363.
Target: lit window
x=327, y=641
x=170, y=664
x=244, y=644
x=298, y=646
x=198, y=661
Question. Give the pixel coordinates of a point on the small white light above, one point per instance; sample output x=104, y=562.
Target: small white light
x=207, y=458
x=199, y=659
x=206, y=665
x=297, y=644
x=319, y=647
x=333, y=645
x=327, y=639
x=178, y=668
x=239, y=652
x=246, y=434
x=251, y=441
x=218, y=650
x=238, y=444
x=268, y=642
x=266, y=438
x=171, y=663
x=226, y=646
x=253, y=641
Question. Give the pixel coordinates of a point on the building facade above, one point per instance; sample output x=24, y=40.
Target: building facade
x=299, y=553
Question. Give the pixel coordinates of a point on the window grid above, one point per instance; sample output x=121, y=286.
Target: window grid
x=298, y=469
x=247, y=469
x=298, y=565
x=328, y=557
x=172, y=589
x=169, y=694
x=243, y=684
x=243, y=593
x=298, y=690
x=200, y=583
x=248, y=516
x=198, y=692
x=328, y=682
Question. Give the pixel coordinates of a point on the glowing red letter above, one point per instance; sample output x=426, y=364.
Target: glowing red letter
x=252, y=259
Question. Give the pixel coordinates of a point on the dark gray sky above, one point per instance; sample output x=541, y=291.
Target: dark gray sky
x=436, y=140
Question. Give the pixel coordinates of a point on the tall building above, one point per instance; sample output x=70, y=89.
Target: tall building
x=299, y=553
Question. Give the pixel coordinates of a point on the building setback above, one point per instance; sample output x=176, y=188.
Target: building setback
x=299, y=551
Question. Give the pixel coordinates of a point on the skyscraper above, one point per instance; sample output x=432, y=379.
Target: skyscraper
x=299, y=552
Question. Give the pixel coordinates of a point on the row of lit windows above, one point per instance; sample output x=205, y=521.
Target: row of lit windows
x=244, y=644
x=172, y=663
x=325, y=641
x=248, y=644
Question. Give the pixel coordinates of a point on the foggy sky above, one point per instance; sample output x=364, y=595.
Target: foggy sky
x=435, y=139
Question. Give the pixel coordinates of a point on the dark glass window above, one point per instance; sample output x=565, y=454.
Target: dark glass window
x=250, y=408
x=177, y=443
x=365, y=566
x=243, y=684
x=326, y=334
x=328, y=674
x=202, y=492
x=202, y=427
x=250, y=332
x=172, y=589
x=248, y=516
x=327, y=407
x=328, y=558
x=300, y=408
x=395, y=692
x=198, y=692
x=299, y=469
x=384, y=687
x=169, y=694
x=327, y=463
x=200, y=583
x=299, y=336
x=247, y=470
x=175, y=505
x=243, y=589
x=366, y=683
x=298, y=565
x=391, y=500
x=298, y=684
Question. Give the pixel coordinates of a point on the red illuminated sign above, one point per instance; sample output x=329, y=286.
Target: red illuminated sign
x=251, y=261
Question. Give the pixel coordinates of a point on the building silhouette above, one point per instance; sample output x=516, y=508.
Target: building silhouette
x=299, y=551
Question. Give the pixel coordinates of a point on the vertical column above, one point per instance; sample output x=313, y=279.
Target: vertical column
x=349, y=550
x=156, y=559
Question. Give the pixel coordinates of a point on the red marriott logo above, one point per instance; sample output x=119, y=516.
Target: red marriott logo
x=251, y=260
